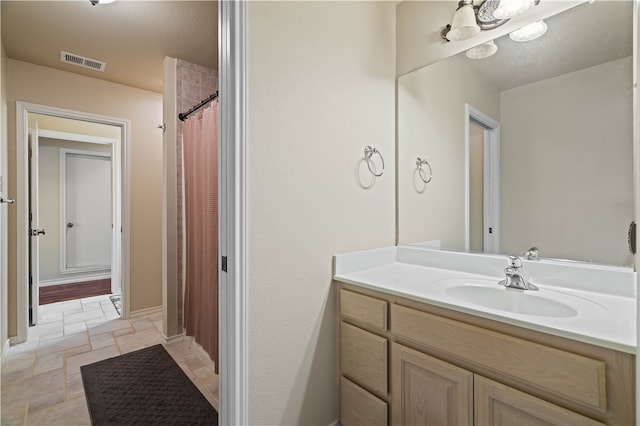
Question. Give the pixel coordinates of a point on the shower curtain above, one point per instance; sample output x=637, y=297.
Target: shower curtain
x=200, y=165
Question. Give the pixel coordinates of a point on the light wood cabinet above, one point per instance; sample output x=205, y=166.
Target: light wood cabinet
x=428, y=391
x=363, y=357
x=404, y=362
x=359, y=407
x=561, y=373
x=500, y=405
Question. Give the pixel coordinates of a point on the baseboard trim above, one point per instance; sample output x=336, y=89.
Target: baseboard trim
x=80, y=279
x=143, y=312
x=15, y=340
x=5, y=349
x=173, y=339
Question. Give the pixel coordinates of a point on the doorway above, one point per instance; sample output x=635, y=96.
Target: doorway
x=70, y=168
x=482, y=194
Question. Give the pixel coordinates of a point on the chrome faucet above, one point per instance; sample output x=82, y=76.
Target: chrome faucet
x=533, y=253
x=514, y=277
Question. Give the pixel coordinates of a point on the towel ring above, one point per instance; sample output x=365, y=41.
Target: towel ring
x=368, y=153
x=419, y=163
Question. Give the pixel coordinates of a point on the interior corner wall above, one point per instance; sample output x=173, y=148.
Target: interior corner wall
x=317, y=98
x=580, y=139
x=26, y=82
x=194, y=83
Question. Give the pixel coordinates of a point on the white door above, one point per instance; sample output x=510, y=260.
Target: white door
x=88, y=211
x=34, y=227
x=483, y=182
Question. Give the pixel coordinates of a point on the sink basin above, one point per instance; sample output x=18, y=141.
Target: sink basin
x=510, y=300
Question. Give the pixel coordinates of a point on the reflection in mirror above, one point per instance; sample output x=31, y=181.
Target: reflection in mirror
x=530, y=147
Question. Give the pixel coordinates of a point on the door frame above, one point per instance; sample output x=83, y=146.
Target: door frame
x=120, y=156
x=491, y=184
x=233, y=288
x=115, y=207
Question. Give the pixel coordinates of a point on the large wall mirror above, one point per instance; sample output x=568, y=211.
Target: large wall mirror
x=531, y=147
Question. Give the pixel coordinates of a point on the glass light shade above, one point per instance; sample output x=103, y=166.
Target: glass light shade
x=482, y=51
x=529, y=32
x=509, y=8
x=464, y=24
x=106, y=1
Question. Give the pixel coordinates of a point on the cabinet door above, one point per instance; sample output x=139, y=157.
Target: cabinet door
x=360, y=408
x=428, y=391
x=500, y=405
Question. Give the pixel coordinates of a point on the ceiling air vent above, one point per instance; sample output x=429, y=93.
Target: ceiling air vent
x=93, y=64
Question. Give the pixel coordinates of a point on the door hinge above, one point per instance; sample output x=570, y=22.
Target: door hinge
x=491, y=230
x=224, y=263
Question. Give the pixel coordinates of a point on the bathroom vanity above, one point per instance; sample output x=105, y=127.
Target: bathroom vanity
x=416, y=347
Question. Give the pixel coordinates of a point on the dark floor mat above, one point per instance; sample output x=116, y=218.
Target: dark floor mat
x=144, y=387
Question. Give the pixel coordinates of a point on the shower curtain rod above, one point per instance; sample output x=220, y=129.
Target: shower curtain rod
x=183, y=115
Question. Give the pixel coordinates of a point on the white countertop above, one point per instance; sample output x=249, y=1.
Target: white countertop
x=603, y=315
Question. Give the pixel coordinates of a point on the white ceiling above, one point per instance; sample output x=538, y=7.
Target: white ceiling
x=579, y=38
x=132, y=37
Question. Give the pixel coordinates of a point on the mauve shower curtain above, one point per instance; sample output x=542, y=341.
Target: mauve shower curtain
x=200, y=148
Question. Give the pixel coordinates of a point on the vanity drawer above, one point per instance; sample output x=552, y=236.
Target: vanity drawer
x=560, y=373
x=360, y=408
x=363, y=358
x=365, y=310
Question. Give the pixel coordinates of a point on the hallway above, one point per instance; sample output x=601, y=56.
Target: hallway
x=41, y=382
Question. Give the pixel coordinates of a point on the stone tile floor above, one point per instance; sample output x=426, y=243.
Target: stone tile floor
x=41, y=382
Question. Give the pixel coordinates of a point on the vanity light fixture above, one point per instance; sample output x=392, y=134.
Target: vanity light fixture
x=482, y=51
x=469, y=19
x=507, y=9
x=463, y=26
x=94, y=2
x=529, y=32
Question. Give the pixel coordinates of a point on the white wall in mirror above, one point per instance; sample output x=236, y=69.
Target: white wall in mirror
x=567, y=165
x=566, y=141
x=431, y=117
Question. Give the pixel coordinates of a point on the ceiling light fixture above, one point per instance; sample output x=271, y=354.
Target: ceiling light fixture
x=482, y=51
x=94, y=2
x=529, y=32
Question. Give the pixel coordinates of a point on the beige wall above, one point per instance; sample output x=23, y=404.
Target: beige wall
x=75, y=126
x=567, y=165
x=321, y=87
x=431, y=114
x=144, y=109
